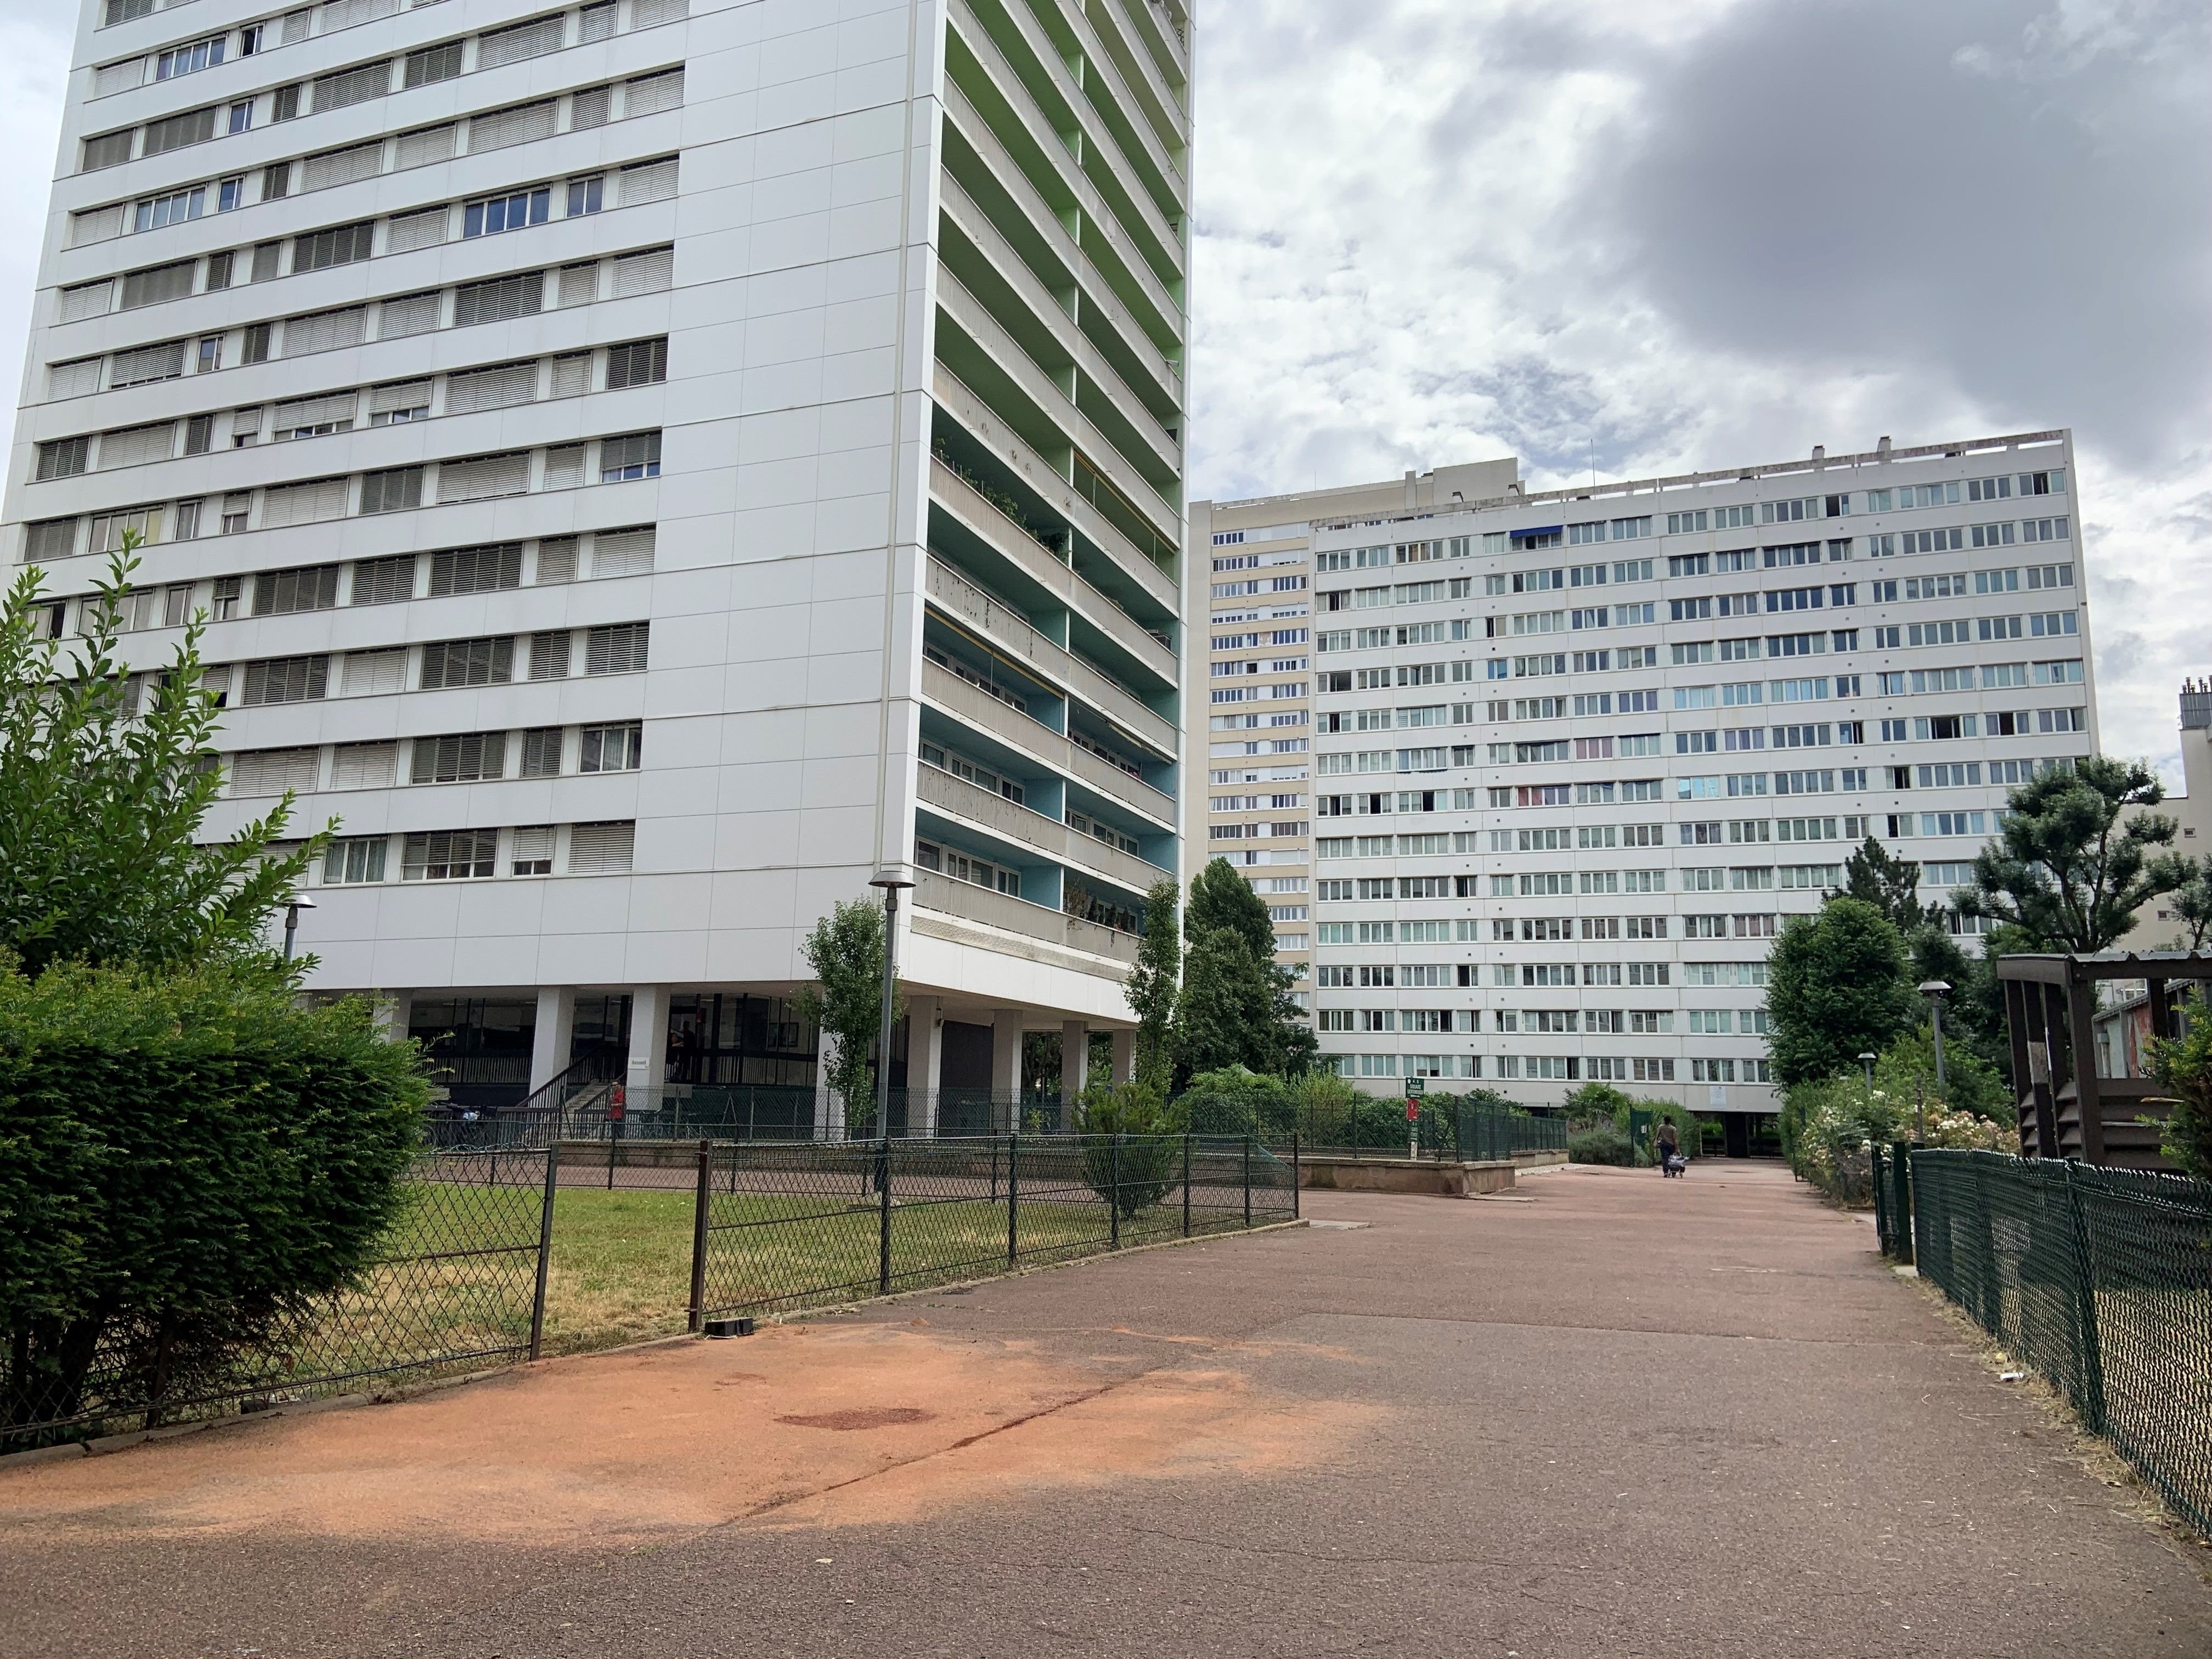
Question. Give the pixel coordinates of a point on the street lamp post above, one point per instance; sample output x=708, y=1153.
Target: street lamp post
x=1866, y=1064
x=297, y=902
x=892, y=882
x=1935, y=990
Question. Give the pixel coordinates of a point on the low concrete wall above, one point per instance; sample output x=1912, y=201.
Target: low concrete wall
x=1538, y=1160
x=1428, y=1176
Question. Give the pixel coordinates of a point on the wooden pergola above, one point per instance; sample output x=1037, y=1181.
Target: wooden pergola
x=2067, y=1107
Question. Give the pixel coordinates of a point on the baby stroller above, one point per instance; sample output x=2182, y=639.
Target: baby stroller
x=1673, y=1165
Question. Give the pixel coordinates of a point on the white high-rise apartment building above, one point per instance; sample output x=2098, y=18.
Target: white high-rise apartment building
x=1254, y=703
x=1578, y=753
x=648, y=468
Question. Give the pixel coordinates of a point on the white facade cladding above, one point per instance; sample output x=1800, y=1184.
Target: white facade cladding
x=648, y=466
x=1579, y=754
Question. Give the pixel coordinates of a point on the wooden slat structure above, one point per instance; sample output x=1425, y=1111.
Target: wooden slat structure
x=2067, y=1110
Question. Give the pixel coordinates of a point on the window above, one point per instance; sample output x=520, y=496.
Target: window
x=280, y=593
x=63, y=458
x=360, y=858
x=284, y=679
x=618, y=649
x=499, y=213
x=156, y=211
x=434, y=63
x=499, y=299
x=194, y=127
x=622, y=748
x=465, y=757
x=637, y=456
x=147, y=288
x=241, y=116
x=610, y=849
x=189, y=60
x=541, y=752
x=533, y=850
x=640, y=362
x=384, y=582
x=110, y=149
x=586, y=195
x=450, y=856
x=468, y=662
x=392, y=491
x=475, y=569
x=324, y=248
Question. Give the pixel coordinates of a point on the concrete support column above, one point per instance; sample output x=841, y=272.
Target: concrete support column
x=925, y=1063
x=1074, y=1067
x=393, y=1012
x=549, y=1043
x=1005, y=1069
x=649, y=1044
x=1125, y=1056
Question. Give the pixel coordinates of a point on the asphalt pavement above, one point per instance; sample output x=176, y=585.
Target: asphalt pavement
x=1606, y=1415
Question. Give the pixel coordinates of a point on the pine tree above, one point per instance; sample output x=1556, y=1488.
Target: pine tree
x=1891, y=884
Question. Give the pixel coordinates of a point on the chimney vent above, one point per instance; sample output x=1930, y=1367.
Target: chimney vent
x=1882, y=448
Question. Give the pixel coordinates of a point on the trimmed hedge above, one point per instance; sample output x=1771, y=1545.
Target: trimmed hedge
x=186, y=1161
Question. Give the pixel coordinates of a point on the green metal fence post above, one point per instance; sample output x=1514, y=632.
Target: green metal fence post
x=2089, y=1344
x=1900, y=1198
x=1247, y=1181
x=1294, y=1175
x=544, y=1250
x=699, y=1239
x=1013, y=1187
x=1114, y=1191
x=884, y=1209
x=1883, y=1236
x=1186, y=1183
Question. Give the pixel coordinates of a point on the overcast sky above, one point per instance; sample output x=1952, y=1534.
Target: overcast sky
x=1661, y=235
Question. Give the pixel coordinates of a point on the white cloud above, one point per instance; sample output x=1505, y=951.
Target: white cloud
x=34, y=59
x=1696, y=234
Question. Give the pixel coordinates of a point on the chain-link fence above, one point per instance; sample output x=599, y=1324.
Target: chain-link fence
x=784, y=1226
x=2099, y=1278
x=1444, y=1129
x=456, y=1285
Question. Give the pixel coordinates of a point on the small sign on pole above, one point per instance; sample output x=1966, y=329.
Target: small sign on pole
x=1415, y=1088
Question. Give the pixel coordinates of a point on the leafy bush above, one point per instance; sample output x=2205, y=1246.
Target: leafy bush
x=1145, y=1151
x=1827, y=1126
x=1598, y=1100
x=2185, y=1069
x=187, y=1162
x=1238, y=1102
x=1600, y=1143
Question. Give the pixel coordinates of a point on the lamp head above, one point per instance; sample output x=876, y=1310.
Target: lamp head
x=1936, y=987
x=894, y=878
x=301, y=901
x=1869, y=1059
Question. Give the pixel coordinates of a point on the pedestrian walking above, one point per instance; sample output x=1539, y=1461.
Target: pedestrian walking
x=1669, y=1144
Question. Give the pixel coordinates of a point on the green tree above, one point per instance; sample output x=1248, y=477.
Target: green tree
x=1836, y=988
x=1153, y=983
x=1891, y=884
x=2183, y=1068
x=1222, y=1011
x=2192, y=904
x=2074, y=860
x=102, y=795
x=1221, y=901
x=845, y=952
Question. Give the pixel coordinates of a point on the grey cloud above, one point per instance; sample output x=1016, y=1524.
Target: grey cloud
x=1949, y=193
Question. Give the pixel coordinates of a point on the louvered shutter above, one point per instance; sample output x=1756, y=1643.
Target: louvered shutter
x=590, y=106
x=618, y=649
x=644, y=13
x=414, y=313
x=325, y=331
x=79, y=379
x=556, y=563
x=331, y=408
x=519, y=124
x=159, y=362
x=501, y=387
x=408, y=231
x=364, y=765
x=648, y=272
x=383, y=581
x=135, y=445
x=87, y=300
x=119, y=77
x=342, y=166
x=499, y=300
x=623, y=552
x=580, y=284
x=303, y=503
x=353, y=86
x=602, y=850
x=572, y=374
x=425, y=145
x=649, y=95
x=532, y=39
x=244, y=423
x=483, y=476
x=272, y=771
x=648, y=182
x=95, y=225
x=403, y=394
x=597, y=22
x=564, y=466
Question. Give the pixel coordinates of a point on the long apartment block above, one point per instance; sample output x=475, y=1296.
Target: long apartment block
x=645, y=468
x=1250, y=598
x=1576, y=755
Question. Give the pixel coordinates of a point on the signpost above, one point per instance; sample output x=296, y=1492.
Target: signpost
x=1415, y=1088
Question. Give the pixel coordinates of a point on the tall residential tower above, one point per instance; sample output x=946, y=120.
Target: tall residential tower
x=648, y=468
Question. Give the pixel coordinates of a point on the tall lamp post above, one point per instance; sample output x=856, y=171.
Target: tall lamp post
x=892, y=882
x=297, y=903
x=1935, y=990
x=1866, y=1064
